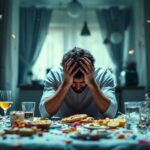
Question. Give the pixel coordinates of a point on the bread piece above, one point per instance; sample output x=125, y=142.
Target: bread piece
x=69, y=130
x=26, y=132
x=12, y=131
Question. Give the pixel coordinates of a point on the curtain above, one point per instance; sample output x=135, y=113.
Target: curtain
x=147, y=49
x=114, y=20
x=5, y=42
x=34, y=23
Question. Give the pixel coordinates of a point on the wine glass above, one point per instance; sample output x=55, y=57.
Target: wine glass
x=5, y=101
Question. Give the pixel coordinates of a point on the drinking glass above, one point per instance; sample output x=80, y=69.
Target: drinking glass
x=16, y=116
x=145, y=114
x=132, y=110
x=28, y=108
x=5, y=102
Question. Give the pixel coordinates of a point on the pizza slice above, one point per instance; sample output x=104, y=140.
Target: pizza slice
x=73, y=118
x=87, y=120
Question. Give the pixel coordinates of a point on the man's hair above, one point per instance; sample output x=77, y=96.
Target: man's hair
x=77, y=53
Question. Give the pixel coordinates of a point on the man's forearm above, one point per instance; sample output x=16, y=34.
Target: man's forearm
x=54, y=102
x=101, y=100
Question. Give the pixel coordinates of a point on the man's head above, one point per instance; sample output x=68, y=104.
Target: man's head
x=77, y=54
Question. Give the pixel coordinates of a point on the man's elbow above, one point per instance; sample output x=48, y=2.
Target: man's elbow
x=43, y=112
x=112, y=110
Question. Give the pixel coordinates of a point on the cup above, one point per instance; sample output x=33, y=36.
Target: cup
x=145, y=114
x=16, y=116
x=28, y=108
x=132, y=110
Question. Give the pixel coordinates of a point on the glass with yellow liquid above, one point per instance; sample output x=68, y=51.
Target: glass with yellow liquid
x=5, y=105
x=5, y=101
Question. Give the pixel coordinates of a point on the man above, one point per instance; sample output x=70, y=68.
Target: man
x=78, y=87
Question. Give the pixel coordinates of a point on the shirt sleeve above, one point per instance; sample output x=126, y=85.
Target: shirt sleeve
x=108, y=88
x=49, y=90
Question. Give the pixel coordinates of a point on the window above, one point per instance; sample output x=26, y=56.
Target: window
x=64, y=36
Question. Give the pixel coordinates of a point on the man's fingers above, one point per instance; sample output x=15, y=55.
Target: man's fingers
x=87, y=60
x=68, y=64
x=87, y=63
x=65, y=64
x=73, y=73
x=72, y=68
x=82, y=70
x=84, y=66
x=67, y=61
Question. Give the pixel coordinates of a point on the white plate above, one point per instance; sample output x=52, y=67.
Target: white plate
x=55, y=125
x=96, y=126
x=101, y=133
x=91, y=135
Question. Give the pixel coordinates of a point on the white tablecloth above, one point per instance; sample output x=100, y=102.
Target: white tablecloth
x=63, y=141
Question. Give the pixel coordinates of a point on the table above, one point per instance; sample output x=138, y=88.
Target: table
x=58, y=141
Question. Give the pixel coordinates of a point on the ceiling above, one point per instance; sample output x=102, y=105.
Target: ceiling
x=87, y=3
x=61, y=5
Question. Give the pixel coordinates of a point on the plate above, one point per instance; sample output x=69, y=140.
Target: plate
x=55, y=118
x=102, y=133
x=93, y=136
x=55, y=125
x=43, y=124
x=94, y=126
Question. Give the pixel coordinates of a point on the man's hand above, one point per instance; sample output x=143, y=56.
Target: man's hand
x=69, y=71
x=101, y=100
x=53, y=103
x=87, y=69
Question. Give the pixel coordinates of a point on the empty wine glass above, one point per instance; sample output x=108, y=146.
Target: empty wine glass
x=5, y=102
